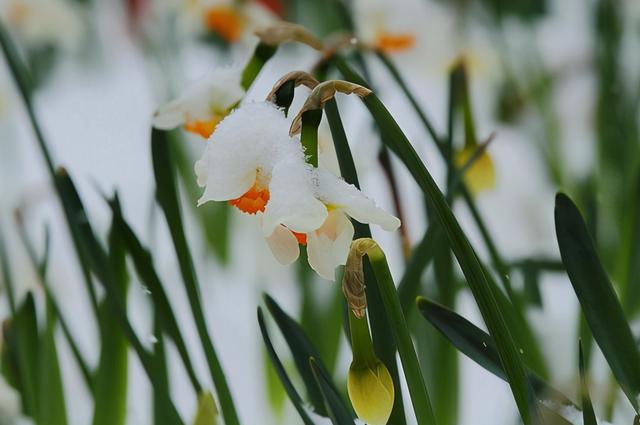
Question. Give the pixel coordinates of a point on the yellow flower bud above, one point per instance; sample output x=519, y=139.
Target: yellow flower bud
x=207, y=411
x=371, y=392
x=481, y=175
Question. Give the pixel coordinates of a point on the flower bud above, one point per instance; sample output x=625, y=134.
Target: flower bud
x=207, y=413
x=371, y=392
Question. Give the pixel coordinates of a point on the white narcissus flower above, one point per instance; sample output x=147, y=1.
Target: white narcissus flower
x=42, y=23
x=231, y=20
x=250, y=159
x=327, y=245
x=381, y=24
x=252, y=162
x=203, y=105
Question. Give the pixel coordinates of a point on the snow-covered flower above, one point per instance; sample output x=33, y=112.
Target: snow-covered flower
x=44, y=23
x=252, y=162
x=203, y=105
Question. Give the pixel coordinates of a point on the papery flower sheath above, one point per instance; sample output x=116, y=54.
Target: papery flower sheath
x=203, y=105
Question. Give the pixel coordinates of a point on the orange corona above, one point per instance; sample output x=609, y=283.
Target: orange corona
x=253, y=201
x=204, y=128
x=224, y=21
x=301, y=237
x=394, y=42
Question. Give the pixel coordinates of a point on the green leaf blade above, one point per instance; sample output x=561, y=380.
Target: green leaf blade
x=597, y=297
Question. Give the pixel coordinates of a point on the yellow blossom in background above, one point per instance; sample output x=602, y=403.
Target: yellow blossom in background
x=481, y=175
x=207, y=411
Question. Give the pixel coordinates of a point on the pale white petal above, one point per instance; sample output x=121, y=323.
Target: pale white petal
x=328, y=247
x=336, y=192
x=210, y=96
x=243, y=149
x=292, y=202
x=284, y=245
x=225, y=177
x=171, y=115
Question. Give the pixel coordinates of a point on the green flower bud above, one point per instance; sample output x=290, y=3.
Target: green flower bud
x=371, y=392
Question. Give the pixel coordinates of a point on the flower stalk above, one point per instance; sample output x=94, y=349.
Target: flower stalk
x=399, y=329
x=309, y=137
x=369, y=383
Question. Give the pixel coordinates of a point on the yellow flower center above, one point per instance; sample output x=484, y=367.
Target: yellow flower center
x=253, y=201
x=390, y=42
x=202, y=127
x=224, y=21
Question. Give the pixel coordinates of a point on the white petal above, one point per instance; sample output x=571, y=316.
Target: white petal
x=334, y=191
x=225, y=177
x=283, y=245
x=170, y=115
x=292, y=202
x=251, y=138
x=328, y=247
x=211, y=95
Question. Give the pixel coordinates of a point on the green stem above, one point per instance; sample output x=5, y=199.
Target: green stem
x=261, y=55
x=411, y=366
x=309, y=136
x=51, y=302
x=467, y=258
x=361, y=344
x=167, y=197
x=383, y=343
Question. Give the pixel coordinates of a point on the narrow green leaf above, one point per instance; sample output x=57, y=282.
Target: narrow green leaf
x=25, y=86
x=214, y=220
x=99, y=263
x=383, y=342
x=411, y=368
x=588, y=415
x=21, y=336
x=479, y=346
x=282, y=373
x=6, y=276
x=110, y=392
x=338, y=412
x=469, y=263
x=159, y=364
x=421, y=256
x=261, y=56
x=597, y=297
x=302, y=349
x=40, y=267
x=143, y=264
x=51, y=402
x=167, y=197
